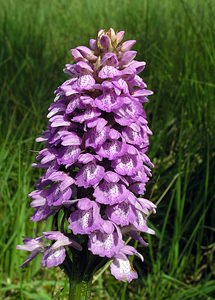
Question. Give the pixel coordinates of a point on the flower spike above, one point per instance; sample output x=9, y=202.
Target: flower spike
x=95, y=162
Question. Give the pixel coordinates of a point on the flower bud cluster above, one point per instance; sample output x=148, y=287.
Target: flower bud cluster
x=95, y=161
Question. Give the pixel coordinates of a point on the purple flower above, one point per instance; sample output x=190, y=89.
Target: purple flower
x=128, y=113
x=108, y=101
x=112, y=149
x=86, y=219
x=121, y=268
x=107, y=241
x=137, y=135
x=110, y=193
x=109, y=72
x=121, y=214
x=129, y=163
x=98, y=134
x=95, y=161
x=53, y=255
x=55, y=189
x=90, y=174
x=110, y=59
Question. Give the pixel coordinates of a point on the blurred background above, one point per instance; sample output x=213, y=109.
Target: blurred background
x=176, y=38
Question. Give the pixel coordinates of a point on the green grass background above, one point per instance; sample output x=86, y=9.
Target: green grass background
x=177, y=40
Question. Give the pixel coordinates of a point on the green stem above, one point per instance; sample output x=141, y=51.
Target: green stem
x=80, y=289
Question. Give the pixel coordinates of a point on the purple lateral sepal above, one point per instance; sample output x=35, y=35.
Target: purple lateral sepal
x=94, y=159
x=35, y=246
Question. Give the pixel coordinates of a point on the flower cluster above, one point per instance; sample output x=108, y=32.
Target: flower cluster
x=95, y=161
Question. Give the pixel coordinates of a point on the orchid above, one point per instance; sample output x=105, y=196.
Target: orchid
x=95, y=163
